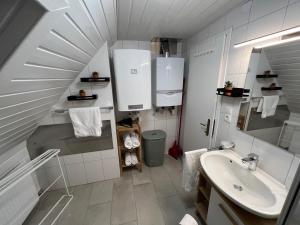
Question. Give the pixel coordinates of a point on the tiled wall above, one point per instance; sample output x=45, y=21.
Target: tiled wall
x=149, y=119
x=250, y=20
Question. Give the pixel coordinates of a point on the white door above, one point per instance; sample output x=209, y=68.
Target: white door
x=203, y=78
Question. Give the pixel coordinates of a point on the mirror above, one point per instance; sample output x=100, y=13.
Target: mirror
x=272, y=110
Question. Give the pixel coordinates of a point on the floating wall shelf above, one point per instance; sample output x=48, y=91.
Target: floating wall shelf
x=96, y=80
x=271, y=88
x=80, y=98
x=267, y=76
x=235, y=92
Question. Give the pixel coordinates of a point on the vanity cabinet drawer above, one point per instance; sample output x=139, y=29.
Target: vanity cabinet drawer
x=219, y=213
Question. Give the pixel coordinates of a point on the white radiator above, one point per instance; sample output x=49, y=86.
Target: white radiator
x=17, y=203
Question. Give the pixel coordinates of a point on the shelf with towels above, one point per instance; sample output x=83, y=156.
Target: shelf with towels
x=82, y=98
x=66, y=110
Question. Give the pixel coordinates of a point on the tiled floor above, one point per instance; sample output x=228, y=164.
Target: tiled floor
x=153, y=197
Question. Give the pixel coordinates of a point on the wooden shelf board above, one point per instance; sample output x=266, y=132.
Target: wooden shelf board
x=202, y=210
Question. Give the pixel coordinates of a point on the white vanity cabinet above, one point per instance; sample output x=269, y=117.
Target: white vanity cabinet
x=219, y=212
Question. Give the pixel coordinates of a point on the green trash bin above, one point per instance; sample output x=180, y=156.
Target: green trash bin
x=154, y=147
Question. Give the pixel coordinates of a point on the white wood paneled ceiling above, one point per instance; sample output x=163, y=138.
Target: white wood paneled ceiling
x=285, y=61
x=46, y=62
x=145, y=19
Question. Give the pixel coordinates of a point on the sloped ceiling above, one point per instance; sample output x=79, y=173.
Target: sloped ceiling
x=44, y=64
x=285, y=61
x=145, y=19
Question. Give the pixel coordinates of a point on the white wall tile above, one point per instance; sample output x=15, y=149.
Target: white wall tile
x=91, y=156
x=266, y=25
x=144, y=45
x=147, y=125
x=292, y=17
x=130, y=44
x=261, y=8
x=108, y=154
x=76, y=174
x=160, y=125
x=272, y=159
x=292, y=172
x=243, y=142
x=111, y=168
x=70, y=159
x=94, y=171
x=172, y=127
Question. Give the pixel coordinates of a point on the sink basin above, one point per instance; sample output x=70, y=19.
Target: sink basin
x=255, y=191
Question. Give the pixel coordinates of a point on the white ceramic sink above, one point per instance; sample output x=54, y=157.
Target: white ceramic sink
x=255, y=191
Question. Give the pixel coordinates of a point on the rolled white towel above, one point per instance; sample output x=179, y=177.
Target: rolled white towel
x=134, y=159
x=128, y=159
x=188, y=220
x=127, y=141
x=135, y=140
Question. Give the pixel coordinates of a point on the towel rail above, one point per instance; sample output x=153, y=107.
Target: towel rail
x=66, y=110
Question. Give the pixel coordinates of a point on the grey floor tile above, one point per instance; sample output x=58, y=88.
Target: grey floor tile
x=98, y=214
x=148, y=209
x=162, y=182
x=123, y=204
x=130, y=223
x=173, y=209
x=75, y=213
x=141, y=177
x=101, y=192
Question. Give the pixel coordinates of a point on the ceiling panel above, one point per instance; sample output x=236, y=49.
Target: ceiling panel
x=145, y=19
x=49, y=58
x=285, y=61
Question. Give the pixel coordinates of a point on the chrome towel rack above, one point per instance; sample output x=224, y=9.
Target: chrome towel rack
x=66, y=110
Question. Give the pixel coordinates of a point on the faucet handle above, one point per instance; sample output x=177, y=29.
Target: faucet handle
x=253, y=156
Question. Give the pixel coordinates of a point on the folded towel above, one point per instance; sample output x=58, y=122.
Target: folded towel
x=188, y=220
x=267, y=105
x=127, y=141
x=128, y=159
x=191, y=165
x=86, y=121
x=135, y=140
x=134, y=159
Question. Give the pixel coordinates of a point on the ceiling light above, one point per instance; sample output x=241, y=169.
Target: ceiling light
x=268, y=37
x=278, y=42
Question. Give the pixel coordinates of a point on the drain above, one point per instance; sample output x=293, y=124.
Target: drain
x=238, y=187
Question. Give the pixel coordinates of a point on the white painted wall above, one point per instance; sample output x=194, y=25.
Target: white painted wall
x=250, y=20
x=149, y=119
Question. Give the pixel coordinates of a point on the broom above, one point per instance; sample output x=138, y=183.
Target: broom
x=176, y=150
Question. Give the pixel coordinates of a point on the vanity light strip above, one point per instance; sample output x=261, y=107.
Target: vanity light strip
x=268, y=37
x=278, y=42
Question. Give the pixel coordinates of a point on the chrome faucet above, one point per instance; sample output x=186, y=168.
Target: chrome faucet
x=252, y=160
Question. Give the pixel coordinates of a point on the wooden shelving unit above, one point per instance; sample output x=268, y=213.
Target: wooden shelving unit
x=203, y=196
x=121, y=130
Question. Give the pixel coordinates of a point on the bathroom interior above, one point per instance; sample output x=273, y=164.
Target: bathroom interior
x=147, y=112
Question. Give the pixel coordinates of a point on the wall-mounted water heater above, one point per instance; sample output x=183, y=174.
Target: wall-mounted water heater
x=133, y=79
x=167, y=81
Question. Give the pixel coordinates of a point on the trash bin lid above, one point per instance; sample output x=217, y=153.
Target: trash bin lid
x=154, y=134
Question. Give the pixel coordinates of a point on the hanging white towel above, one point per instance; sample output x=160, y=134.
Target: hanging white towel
x=127, y=141
x=128, y=161
x=134, y=159
x=135, y=139
x=191, y=165
x=188, y=220
x=86, y=121
x=267, y=105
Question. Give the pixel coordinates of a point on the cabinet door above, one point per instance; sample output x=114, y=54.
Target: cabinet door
x=219, y=213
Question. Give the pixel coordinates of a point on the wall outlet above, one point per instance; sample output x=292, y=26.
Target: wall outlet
x=227, y=117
